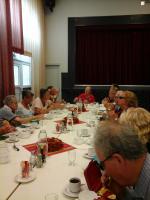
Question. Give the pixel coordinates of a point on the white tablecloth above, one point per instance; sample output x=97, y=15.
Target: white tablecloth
x=55, y=174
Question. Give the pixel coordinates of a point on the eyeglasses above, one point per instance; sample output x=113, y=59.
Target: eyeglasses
x=101, y=163
x=119, y=97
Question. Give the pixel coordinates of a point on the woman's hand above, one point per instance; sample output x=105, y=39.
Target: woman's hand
x=7, y=128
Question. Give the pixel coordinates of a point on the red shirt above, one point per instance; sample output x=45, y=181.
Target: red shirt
x=86, y=97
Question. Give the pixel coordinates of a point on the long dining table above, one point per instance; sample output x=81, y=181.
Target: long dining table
x=54, y=176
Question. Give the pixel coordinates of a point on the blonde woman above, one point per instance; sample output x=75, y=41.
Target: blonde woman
x=139, y=119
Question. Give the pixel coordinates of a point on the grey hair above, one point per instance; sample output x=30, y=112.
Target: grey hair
x=112, y=137
x=10, y=99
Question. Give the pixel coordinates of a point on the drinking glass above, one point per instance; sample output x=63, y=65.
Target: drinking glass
x=69, y=123
x=72, y=157
x=42, y=136
x=32, y=161
x=51, y=196
x=42, y=143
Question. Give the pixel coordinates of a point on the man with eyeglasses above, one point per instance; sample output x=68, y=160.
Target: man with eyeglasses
x=124, y=161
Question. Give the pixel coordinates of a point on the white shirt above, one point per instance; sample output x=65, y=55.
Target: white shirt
x=23, y=111
x=37, y=103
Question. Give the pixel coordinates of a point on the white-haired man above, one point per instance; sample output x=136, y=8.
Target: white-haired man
x=124, y=160
x=8, y=112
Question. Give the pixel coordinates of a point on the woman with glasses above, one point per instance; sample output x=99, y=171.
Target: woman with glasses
x=123, y=101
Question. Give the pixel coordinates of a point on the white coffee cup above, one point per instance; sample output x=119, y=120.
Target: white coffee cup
x=74, y=185
x=91, y=152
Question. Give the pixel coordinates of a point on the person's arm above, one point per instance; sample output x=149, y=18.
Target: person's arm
x=6, y=128
x=57, y=106
x=76, y=99
x=38, y=111
x=28, y=119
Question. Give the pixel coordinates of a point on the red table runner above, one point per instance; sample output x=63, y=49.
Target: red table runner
x=80, y=122
x=33, y=147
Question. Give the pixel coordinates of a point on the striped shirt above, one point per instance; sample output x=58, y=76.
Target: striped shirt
x=141, y=190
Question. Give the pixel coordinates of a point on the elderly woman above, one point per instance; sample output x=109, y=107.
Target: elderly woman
x=126, y=99
x=123, y=101
x=8, y=112
x=139, y=119
x=86, y=97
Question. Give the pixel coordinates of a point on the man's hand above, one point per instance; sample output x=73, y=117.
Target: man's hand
x=112, y=185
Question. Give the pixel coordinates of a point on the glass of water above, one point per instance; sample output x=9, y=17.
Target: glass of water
x=72, y=157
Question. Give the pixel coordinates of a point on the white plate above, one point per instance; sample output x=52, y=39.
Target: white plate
x=87, y=195
x=31, y=177
x=87, y=156
x=11, y=141
x=68, y=193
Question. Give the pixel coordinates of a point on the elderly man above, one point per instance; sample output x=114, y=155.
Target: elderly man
x=86, y=97
x=7, y=112
x=125, y=161
x=24, y=107
x=111, y=95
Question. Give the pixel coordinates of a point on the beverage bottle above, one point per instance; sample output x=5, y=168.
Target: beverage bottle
x=43, y=145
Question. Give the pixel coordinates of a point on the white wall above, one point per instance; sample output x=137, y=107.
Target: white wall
x=57, y=22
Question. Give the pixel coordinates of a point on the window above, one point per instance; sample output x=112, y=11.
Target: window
x=22, y=71
x=16, y=74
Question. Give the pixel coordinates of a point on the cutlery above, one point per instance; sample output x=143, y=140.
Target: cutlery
x=16, y=148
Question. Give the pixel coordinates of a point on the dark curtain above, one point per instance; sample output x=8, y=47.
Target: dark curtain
x=6, y=51
x=16, y=26
x=6, y=60
x=113, y=54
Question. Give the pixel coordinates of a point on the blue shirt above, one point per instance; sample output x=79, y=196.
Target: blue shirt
x=6, y=113
x=141, y=190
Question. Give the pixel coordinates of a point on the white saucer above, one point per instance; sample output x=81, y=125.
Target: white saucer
x=11, y=141
x=68, y=193
x=87, y=156
x=88, y=195
x=31, y=177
